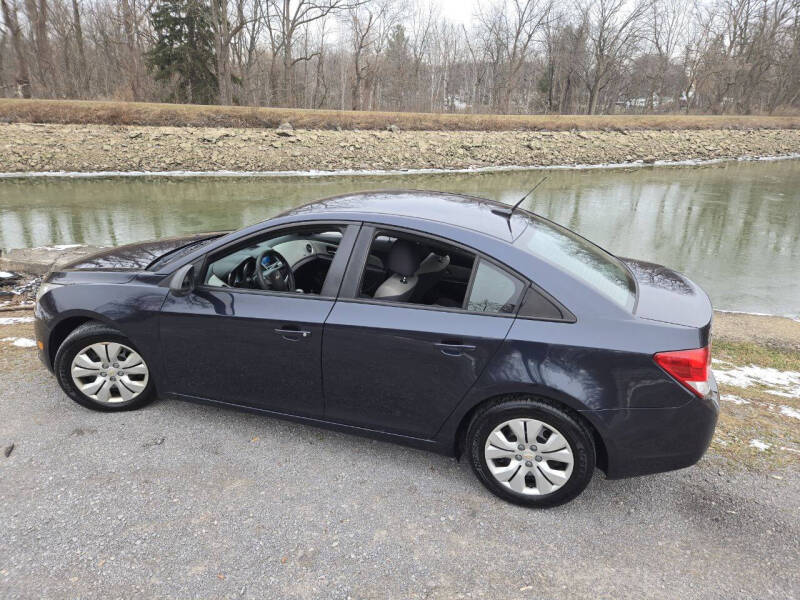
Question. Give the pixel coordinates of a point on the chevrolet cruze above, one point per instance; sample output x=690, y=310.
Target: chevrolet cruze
x=441, y=321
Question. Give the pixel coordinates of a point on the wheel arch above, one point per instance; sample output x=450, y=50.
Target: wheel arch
x=66, y=326
x=459, y=441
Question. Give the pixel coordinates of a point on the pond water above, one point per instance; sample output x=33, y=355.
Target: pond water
x=732, y=227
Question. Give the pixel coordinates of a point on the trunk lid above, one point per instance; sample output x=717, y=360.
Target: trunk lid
x=667, y=296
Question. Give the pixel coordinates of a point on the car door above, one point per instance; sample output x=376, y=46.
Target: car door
x=403, y=367
x=251, y=347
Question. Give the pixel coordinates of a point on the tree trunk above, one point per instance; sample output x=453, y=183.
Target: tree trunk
x=288, y=64
x=219, y=13
x=357, y=80
x=23, y=79
x=130, y=54
x=593, y=93
x=273, y=78
x=43, y=46
x=288, y=75
x=83, y=75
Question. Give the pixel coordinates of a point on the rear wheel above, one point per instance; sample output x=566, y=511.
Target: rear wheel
x=530, y=452
x=101, y=369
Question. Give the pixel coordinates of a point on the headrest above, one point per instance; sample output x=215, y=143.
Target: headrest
x=404, y=258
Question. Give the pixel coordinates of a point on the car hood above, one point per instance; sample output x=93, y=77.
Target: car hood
x=668, y=296
x=133, y=257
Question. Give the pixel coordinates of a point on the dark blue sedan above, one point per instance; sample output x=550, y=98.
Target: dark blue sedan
x=437, y=320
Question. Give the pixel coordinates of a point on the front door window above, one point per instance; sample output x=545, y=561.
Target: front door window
x=295, y=261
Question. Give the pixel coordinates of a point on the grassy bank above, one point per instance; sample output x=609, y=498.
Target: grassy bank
x=181, y=115
x=759, y=424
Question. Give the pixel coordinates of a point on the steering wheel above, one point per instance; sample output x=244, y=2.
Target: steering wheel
x=273, y=272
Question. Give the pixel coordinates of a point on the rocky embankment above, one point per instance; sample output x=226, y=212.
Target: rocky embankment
x=89, y=148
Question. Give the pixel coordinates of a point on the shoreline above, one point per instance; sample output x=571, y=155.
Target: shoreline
x=54, y=150
x=392, y=172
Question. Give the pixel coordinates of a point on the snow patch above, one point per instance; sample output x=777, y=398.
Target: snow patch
x=758, y=444
x=60, y=247
x=15, y=320
x=20, y=342
x=350, y=172
x=778, y=383
x=788, y=411
x=5, y=275
x=734, y=399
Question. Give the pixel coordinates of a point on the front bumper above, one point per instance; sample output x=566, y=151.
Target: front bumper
x=653, y=440
x=42, y=333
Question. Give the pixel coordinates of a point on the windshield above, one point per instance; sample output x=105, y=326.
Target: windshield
x=179, y=252
x=580, y=258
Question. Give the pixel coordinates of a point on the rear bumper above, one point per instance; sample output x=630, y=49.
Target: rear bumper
x=653, y=440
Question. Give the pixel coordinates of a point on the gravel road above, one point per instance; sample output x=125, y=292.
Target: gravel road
x=186, y=501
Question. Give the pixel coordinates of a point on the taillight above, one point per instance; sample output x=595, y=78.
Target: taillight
x=690, y=367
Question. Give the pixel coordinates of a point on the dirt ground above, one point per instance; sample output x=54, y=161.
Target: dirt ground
x=776, y=332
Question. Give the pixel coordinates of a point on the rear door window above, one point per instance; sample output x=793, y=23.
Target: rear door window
x=494, y=290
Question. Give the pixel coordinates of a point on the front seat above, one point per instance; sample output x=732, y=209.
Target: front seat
x=430, y=272
x=402, y=264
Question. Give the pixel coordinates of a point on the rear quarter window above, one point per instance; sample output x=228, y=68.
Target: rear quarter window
x=580, y=258
x=536, y=305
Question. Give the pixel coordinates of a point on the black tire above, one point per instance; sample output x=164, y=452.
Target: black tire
x=92, y=333
x=576, y=433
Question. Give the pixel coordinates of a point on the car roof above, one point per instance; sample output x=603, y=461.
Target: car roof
x=468, y=212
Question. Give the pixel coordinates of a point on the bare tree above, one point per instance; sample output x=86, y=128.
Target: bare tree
x=229, y=21
x=515, y=55
x=286, y=19
x=512, y=26
x=666, y=27
x=11, y=18
x=614, y=28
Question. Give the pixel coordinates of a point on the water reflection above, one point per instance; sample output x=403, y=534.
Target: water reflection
x=734, y=228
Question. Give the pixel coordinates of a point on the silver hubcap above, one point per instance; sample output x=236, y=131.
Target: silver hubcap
x=109, y=373
x=529, y=457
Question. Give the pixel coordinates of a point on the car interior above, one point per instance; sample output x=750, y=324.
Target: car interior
x=409, y=269
x=399, y=268
x=296, y=261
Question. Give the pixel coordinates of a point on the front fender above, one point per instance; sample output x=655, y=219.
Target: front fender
x=132, y=308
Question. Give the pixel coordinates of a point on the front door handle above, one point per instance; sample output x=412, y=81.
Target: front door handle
x=454, y=348
x=292, y=334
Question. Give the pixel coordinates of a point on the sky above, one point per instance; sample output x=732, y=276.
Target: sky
x=457, y=11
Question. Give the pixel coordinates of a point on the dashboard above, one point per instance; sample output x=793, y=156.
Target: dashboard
x=238, y=269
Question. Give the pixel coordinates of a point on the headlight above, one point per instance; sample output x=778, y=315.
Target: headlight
x=44, y=288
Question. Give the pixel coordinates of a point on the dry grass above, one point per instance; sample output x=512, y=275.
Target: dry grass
x=760, y=418
x=182, y=115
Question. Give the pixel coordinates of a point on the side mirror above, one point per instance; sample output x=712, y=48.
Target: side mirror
x=182, y=281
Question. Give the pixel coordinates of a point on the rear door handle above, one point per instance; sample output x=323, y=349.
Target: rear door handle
x=453, y=348
x=292, y=334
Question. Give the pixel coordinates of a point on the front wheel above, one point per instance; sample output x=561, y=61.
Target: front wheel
x=530, y=452
x=101, y=369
